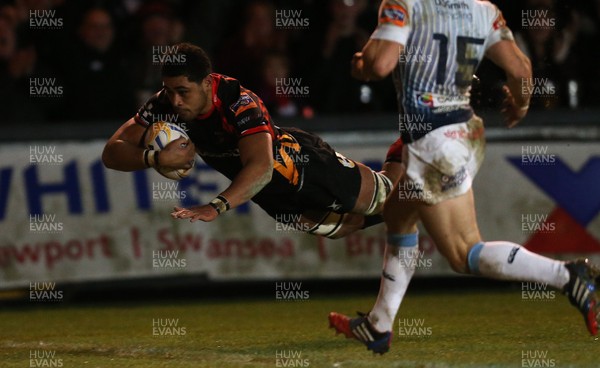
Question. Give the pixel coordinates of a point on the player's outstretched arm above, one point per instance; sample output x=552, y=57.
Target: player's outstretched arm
x=377, y=59
x=256, y=154
x=517, y=67
x=124, y=151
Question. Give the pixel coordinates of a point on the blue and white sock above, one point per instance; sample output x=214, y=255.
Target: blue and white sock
x=509, y=261
x=398, y=268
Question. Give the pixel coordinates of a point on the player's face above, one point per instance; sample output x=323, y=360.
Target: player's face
x=189, y=99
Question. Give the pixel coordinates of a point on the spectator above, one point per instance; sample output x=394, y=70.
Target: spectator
x=240, y=55
x=549, y=49
x=282, y=97
x=158, y=29
x=335, y=90
x=19, y=65
x=96, y=83
x=589, y=78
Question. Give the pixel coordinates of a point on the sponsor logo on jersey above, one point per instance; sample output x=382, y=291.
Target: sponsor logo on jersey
x=499, y=22
x=244, y=100
x=451, y=5
x=425, y=99
x=394, y=14
x=435, y=100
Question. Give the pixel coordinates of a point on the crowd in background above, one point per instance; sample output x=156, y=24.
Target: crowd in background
x=101, y=54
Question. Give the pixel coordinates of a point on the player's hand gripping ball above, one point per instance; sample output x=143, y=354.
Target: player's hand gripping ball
x=157, y=137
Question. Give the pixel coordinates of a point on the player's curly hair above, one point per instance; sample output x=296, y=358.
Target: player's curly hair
x=187, y=60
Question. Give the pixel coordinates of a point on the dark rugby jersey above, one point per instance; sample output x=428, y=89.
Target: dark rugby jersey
x=237, y=112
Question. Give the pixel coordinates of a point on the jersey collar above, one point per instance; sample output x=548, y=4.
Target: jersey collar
x=216, y=102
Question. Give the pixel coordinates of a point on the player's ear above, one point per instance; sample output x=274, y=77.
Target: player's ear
x=208, y=80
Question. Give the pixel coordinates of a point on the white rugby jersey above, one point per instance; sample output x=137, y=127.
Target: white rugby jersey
x=444, y=42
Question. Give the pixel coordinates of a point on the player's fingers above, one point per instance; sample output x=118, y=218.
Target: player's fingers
x=179, y=142
x=186, y=214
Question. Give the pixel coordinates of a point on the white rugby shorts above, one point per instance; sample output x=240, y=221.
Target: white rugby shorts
x=442, y=164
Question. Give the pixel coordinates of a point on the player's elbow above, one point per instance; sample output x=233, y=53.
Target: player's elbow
x=521, y=70
x=267, y=172
x=108, y=158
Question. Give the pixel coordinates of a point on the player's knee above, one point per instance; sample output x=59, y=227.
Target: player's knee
x=456, y=256
x=455, y=249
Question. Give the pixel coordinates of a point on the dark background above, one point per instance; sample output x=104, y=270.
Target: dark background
x=102, y=55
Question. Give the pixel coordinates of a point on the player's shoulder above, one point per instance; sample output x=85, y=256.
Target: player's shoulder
x=492, y=16
x=487, y=8
x=227, y=88
x=233, y=96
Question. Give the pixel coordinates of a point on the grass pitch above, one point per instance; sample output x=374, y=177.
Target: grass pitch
x=467, y=329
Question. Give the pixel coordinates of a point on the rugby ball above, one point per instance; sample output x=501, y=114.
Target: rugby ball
x=158, y=136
